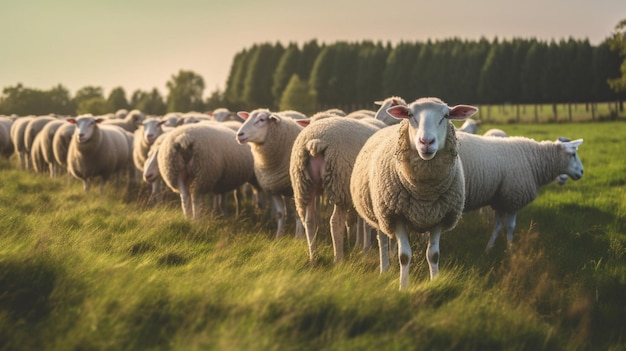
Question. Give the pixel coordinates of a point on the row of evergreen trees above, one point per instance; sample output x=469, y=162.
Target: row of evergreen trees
x=458, y=71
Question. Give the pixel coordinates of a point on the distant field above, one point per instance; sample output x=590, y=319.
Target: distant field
x=548, y=113
x=87, y=272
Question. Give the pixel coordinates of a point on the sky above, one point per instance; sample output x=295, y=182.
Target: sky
x=141, y=44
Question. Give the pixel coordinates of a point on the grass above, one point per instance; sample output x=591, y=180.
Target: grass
x=91, y=272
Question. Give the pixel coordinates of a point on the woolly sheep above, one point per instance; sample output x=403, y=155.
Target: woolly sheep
x=506, y=173
x=322, y=158
x=151, y=173
x=221, y=114
x=495, y=132
x=271, y=136
x=203, y=158
x=17, y=138
x=131, y=122
x=147, y=133
x=42, y=153
x=6, y=146
x=470, y=126
x=382, y=114
x=98, y=150
x=409, y=177
x=61, y=143
x=33, y=128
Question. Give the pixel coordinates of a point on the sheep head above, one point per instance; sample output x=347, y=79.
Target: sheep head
x=574, y=165
x=254, y=128
x=427, y=130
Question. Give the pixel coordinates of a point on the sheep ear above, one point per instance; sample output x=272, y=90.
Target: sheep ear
x=98, y=120
x=243, y=115
x=399, y=112
x=303, y=122
x=461, y=112
x=572, y=146
x=274, y=117
x=71, y=120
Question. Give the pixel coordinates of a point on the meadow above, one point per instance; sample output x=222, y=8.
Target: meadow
x=111, y=272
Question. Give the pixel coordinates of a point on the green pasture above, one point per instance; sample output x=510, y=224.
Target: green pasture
x=89, y=272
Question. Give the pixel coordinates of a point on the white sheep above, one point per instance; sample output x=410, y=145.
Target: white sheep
x=33, y=128
x=409, y=177
x=271, y=136
x=495, y=132
x=98, y=150
x=6, y=146
x=151, y=173
x=130, y=122
x=382, y=114
x=221, y=114
x=61, y=143
x=144, y=137
x=42, y=153
x=506, y=173
x=203, y=158
x=322, y=158
x=470, y=126
x=17, y=138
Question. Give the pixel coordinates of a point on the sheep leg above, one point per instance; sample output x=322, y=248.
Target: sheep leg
x=510, y=227
x=404, y=254
x=496, y=230
x=310, y=227
x=185, y=199
x=279, y=206
x=197, y=205
x=383, y=245
x=337, y=231
x=432, y=252
x=367, y=236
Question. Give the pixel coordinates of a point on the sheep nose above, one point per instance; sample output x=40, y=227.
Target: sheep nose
x=81, y=135
x=427, y=141
x=240, y=134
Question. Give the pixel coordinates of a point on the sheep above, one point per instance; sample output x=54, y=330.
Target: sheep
x=131, y=122
x=98, y=150
x=172, y=120
x=506, y=173
x=151, y=173
x=271, y=136
x=495, y=132
x=322, y=157
x=33, y=128
x=221, y=114
x=409, y=177
x=61, y=143
x=42, y=153
x=6, y=146
x=144, y=137
x=382, y=114
x=203, y=158
x=470, y=126
x=17, y=138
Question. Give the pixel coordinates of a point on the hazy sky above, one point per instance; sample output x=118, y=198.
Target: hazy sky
x=140, y=44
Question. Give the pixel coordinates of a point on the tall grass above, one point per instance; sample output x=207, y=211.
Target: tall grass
x=89, y=272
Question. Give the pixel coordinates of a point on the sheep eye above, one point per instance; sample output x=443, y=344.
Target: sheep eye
x=441, y=120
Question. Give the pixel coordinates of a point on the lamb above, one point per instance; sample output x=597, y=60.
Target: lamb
x=131, y=122
x=98, y=150
x=506, y=173
x=409, y=177
x=322, y=158
x=6, y=146
x=271, y=136
x=203, y=158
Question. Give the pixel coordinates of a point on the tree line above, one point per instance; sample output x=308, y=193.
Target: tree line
x=315, y=76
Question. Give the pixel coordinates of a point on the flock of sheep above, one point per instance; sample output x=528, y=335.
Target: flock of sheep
x=402, y=169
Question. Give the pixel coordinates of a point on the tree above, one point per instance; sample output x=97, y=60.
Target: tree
x=298, y=96
x=96, y=106
x=87, y=93
x=23, y=101
x=148, y=102
x=617, y=43
x=233, y=95
x=257, y=89
x=185, y=92
x=117, y=99
x=287, y=66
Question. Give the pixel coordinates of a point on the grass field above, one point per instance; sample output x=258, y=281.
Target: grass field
x=91, y=272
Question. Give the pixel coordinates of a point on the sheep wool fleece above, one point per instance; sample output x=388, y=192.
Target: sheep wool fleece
x=391, y=183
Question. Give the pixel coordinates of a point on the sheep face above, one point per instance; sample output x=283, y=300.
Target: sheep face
x=382, y=113
x=137, y=117
x=254, y=129
x=574, y=165
x=151, y=167
x=151, y=130
x=428, y=126
x=85, y=127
